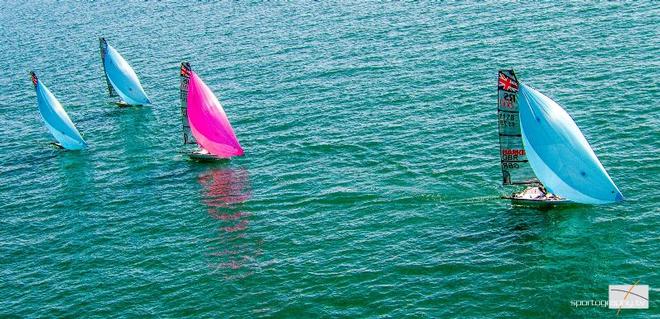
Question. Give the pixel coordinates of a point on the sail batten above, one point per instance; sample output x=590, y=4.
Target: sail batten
x=55, y=118
x=121, y=77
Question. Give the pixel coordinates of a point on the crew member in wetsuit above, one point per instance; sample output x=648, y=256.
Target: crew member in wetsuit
x=542, y=190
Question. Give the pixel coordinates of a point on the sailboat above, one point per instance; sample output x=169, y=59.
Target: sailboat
x=120, y=77
x=543, y=148
x=205, y=123
x=57, y=121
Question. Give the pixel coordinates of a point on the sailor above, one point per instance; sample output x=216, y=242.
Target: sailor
x=547, y=194
x=543, y=192
x=542, y=189
x=535, y=192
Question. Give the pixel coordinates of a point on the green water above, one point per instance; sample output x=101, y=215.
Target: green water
x=371, y=178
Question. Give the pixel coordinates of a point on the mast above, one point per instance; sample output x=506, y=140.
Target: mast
x=103, y=46
x=188, y=137
x=515, y=166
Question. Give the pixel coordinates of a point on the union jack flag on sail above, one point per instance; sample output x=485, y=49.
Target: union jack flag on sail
x=507, y=84
x=185, y=69
x=34, y=78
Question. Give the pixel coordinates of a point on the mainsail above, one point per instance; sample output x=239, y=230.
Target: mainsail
x=103, y=48
x=188, y=138
x=559, y=154
x=57, y=121
x=120, y=76
x=207, y=119
x=515, y=167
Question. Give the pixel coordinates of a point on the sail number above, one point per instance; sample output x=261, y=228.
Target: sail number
x=507, y=120
x=508, y=100
x=506, y=166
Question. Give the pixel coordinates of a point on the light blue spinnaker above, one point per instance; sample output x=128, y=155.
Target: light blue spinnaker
x=121, y=76
x=559, y=154
x=57, y=121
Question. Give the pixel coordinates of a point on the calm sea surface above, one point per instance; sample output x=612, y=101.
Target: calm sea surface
x=371, y=178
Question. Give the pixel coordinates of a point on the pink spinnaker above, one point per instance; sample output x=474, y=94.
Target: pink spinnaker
x=208, y=121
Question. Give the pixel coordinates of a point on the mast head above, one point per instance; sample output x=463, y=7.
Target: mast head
x=34, y=78
x=104, y=47
x=509, y=72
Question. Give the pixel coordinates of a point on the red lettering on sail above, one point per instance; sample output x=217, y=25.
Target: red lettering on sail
x=513, y=152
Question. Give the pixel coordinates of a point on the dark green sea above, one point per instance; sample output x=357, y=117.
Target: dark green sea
x=371, y=182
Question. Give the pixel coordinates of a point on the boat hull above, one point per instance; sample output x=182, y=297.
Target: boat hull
x=57, y=145
x=123, y=104
x=542, y=202
x=206, y=157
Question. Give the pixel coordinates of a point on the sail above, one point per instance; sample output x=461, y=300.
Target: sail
x=515, y=167
x=208, y=121
x=559, y=154
x=121, y=76
x=103, y=44
x=188, y=138
x=57, y=121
